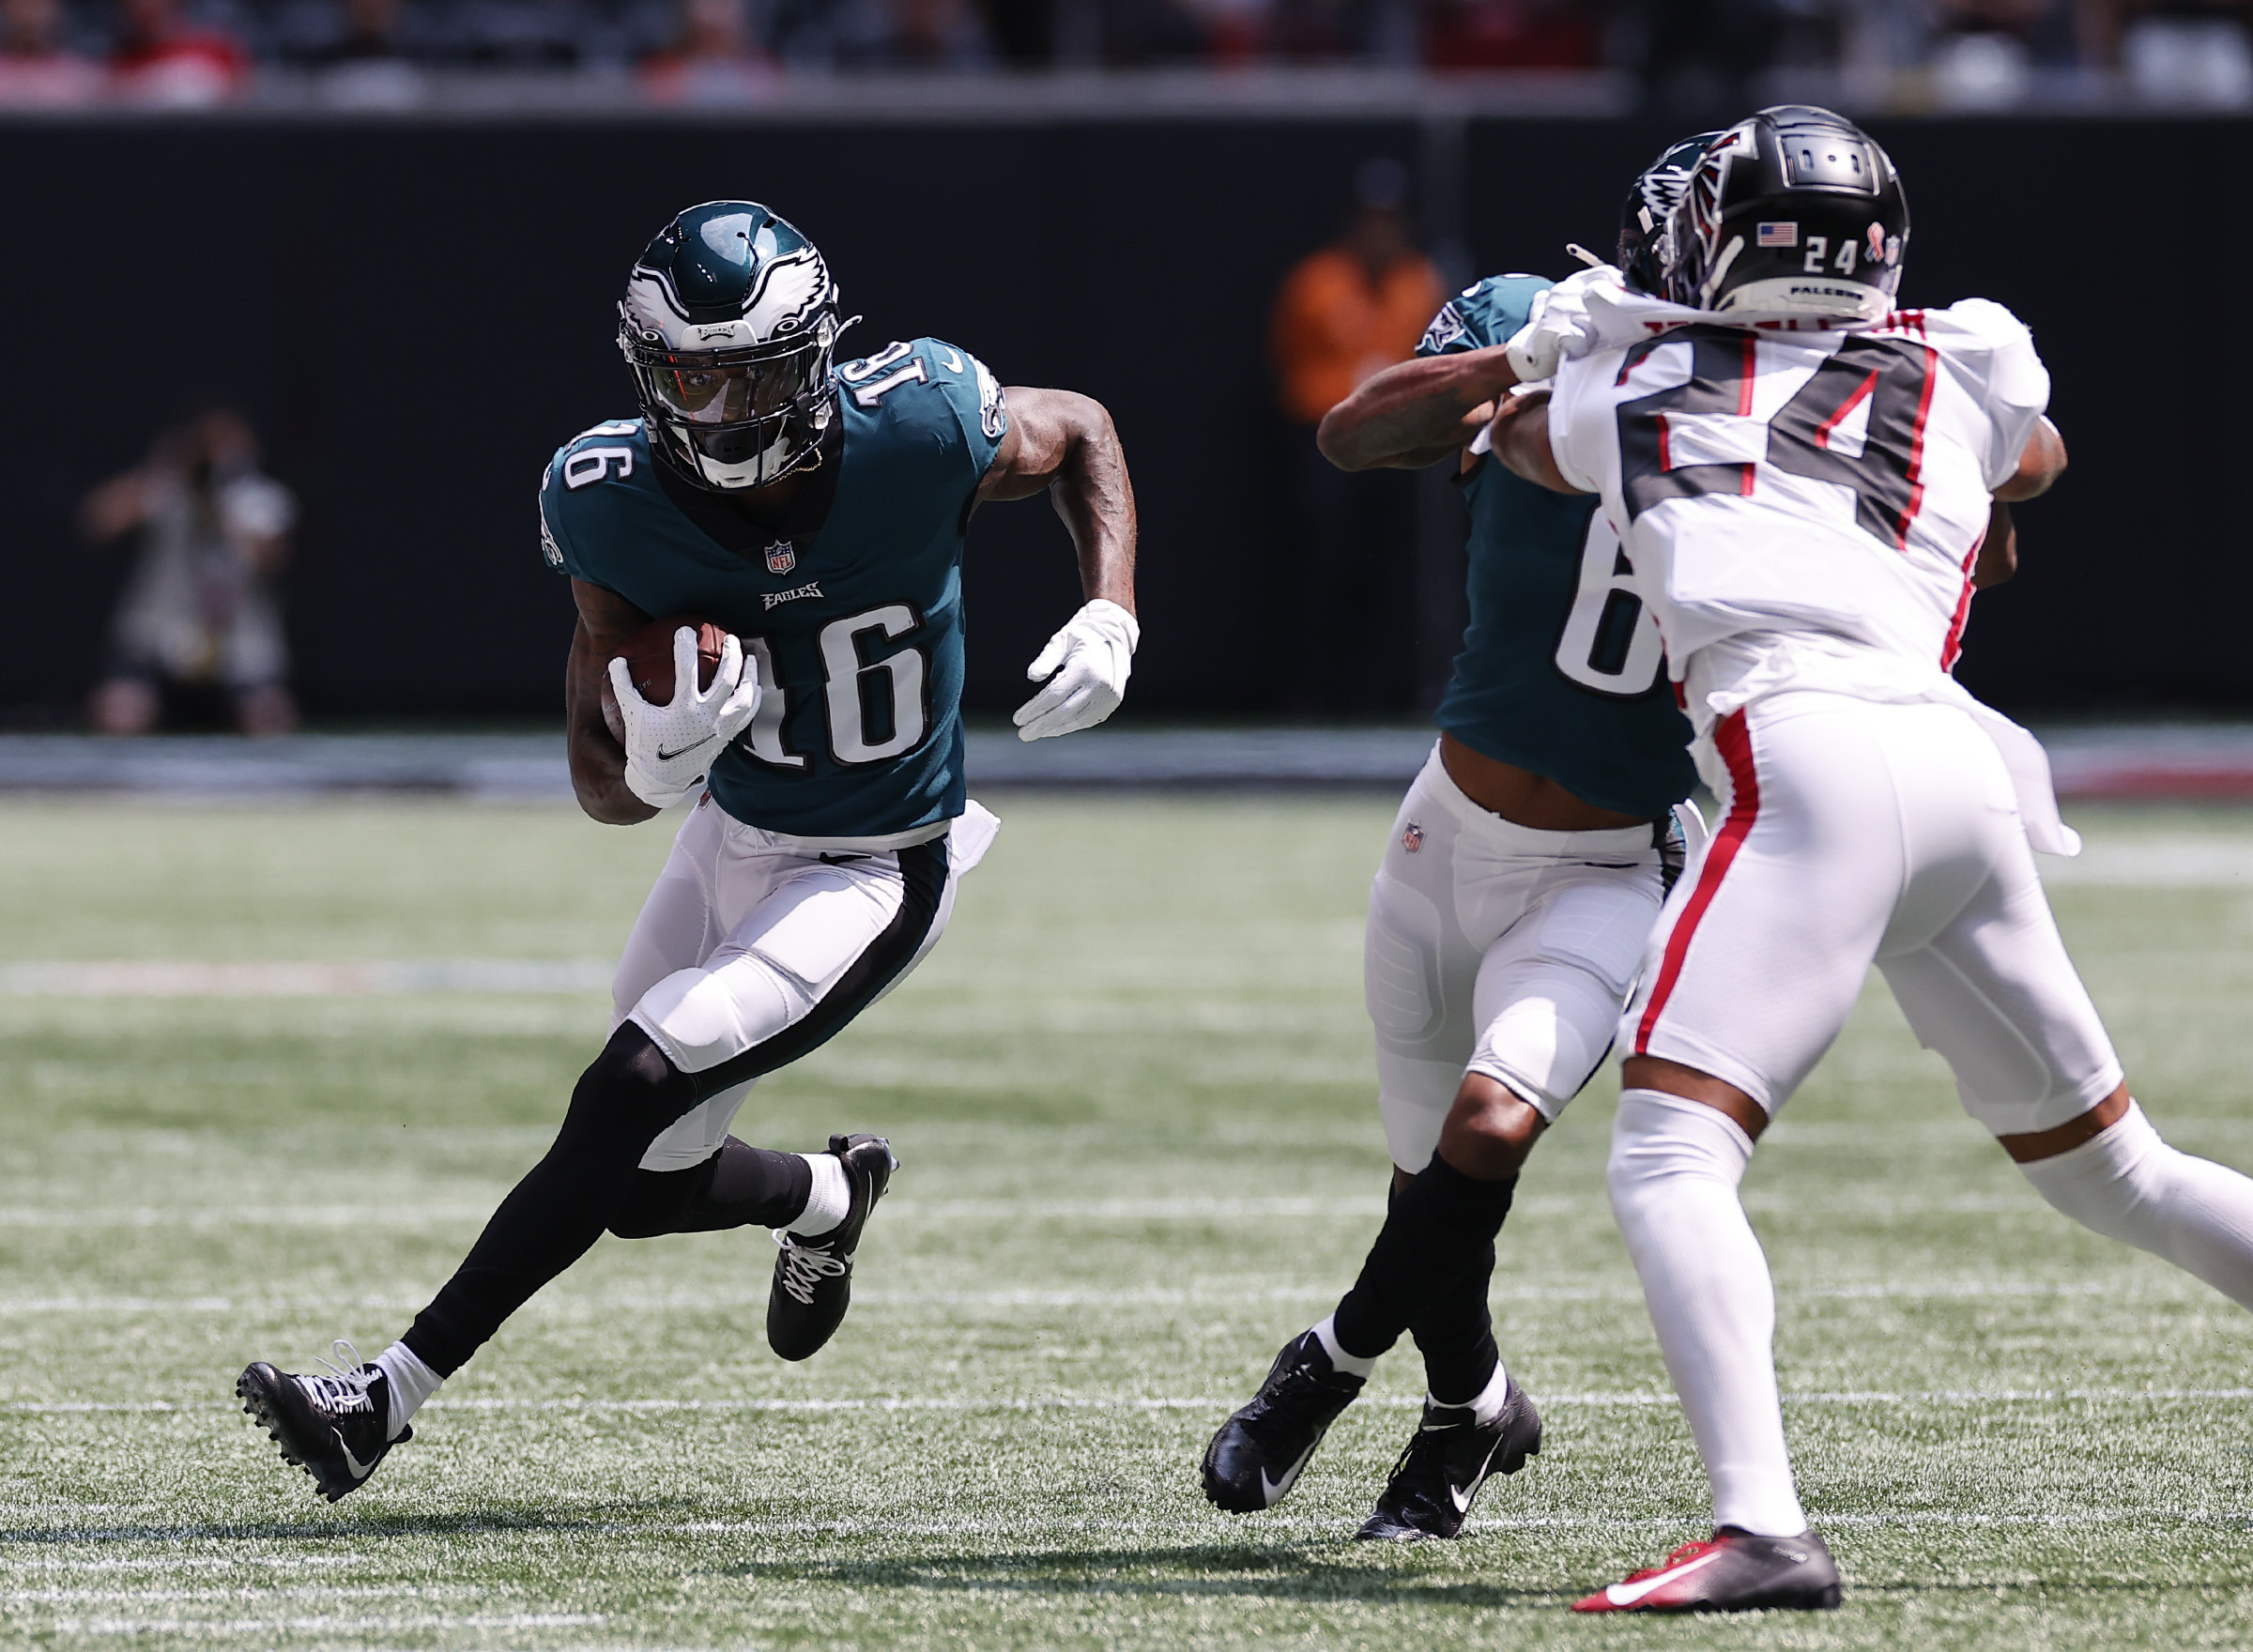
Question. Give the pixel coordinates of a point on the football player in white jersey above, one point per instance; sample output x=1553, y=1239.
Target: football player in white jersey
x=1804, y=478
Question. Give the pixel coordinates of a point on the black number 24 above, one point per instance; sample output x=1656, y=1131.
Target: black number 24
x=1893, y=374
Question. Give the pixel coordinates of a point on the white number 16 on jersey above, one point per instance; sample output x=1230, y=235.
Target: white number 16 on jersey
x=1610, y=643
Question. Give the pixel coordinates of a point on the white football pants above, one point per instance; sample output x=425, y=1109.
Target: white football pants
x=1859, y=833
x=754, y=948
x=1493, y=948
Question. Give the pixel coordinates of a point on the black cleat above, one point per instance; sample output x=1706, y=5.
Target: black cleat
x=1259, y=1452
x=1732, y=1571
x=813, y=1277
x=331, y=1427
x=1437, y=1478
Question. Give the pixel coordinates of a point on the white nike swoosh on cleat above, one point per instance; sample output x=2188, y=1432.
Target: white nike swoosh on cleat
x=1628, y=1593
x=360, y=1471
x=1275, y=1489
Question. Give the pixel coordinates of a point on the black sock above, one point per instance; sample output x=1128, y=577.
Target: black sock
x=1442, y=1223
x=1455, y=1333
x=624, y=1102
x=739, y=1187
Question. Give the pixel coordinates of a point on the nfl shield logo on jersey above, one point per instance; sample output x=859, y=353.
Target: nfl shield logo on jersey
x=782, y=556
x=1412, y=839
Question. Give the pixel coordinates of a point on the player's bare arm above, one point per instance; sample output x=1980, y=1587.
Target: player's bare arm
x=2039, y=465
x=1064, y=444
x=1520, y=441
x=1415, y=413
x=598, y=761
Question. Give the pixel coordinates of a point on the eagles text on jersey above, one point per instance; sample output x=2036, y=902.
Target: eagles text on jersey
x=855, y=628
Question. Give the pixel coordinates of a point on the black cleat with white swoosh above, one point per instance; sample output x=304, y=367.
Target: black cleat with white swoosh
x=332, y=1427
x=812, y=1285
x=1259, y=1452
x=1451, y=1456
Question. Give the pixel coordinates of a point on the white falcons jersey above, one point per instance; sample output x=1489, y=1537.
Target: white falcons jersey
x=1803, y=508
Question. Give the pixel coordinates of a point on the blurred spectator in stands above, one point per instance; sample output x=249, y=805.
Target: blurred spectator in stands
x=365, y=51
x=935, y=35
x=37, y=69
x=1698, y=59
x=198, y=619
x=162, y=57
x=520, y=34
x=1985, y=51
x=1509, y=33
x=1344, y=312
x=2184, y=53
x=714, y=60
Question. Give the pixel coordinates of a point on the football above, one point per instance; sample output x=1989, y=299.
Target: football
x=649, y=657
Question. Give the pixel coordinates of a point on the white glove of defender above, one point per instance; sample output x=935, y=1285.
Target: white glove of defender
x=1086, y=664
x=1558, y=325
x=671, y=747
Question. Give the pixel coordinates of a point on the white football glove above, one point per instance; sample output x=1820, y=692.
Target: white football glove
x=1086, y=666
x=671, y=747
x=1558, y=325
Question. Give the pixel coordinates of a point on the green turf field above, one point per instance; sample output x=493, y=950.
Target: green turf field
x=1132, y=1092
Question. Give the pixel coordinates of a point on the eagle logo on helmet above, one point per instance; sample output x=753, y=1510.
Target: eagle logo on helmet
x=729, y=325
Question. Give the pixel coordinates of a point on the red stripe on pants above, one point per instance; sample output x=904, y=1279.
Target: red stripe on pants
x=1735, y=744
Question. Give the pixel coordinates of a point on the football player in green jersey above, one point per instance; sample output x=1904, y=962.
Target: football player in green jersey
x=1508, y=917
x=815, y=512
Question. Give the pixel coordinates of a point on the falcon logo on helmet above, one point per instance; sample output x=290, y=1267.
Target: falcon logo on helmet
x=1790, y=165
x=1651, y=201
x=730, y=324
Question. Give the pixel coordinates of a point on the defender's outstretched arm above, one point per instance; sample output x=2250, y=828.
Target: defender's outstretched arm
x=1415, y=413
x=1065, y=444
x=598, y=762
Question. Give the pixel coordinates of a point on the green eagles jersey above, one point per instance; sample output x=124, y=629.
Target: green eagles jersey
x=1562, y=671
x=852, y=610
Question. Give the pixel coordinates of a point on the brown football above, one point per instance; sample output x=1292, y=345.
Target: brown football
x=649, y=657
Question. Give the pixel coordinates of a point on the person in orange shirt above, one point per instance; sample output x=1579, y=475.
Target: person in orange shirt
x=1350, y=309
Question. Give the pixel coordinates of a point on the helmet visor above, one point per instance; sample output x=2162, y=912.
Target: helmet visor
x=708, y=390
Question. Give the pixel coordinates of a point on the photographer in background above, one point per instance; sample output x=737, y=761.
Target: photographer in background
x=198, y=616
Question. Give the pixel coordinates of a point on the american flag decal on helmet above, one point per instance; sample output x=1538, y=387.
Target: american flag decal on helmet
x=1779, y=234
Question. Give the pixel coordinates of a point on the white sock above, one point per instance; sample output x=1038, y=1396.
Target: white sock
x=1353, y=1365
x=830, y=1202
x=1672, y=1177
x=2128, y=1185
x=409, y=1382
x=1487, y=1404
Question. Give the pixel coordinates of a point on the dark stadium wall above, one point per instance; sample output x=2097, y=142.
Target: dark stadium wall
x=416, y=314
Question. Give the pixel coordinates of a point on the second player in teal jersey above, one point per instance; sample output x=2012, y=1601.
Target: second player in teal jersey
x=814, y=512
x=1509, y=915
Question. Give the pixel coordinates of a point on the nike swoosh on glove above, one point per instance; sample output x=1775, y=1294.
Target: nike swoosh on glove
x=671, y=747
x=1086, y=664
x=1559, y=325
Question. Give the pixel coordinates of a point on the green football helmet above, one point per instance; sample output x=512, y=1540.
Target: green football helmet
x=730, y=324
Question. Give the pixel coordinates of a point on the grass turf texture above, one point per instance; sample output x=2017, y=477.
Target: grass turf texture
x=1132, y=1091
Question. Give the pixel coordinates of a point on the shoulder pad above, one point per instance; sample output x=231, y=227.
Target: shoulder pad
x=1486, y=313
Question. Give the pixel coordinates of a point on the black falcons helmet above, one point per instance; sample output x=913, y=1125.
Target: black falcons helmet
x=1795, y=212
x=1651, y=200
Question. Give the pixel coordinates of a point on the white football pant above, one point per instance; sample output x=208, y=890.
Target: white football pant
x=1493, y=948
x=1859, y=833
x=754, y=948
